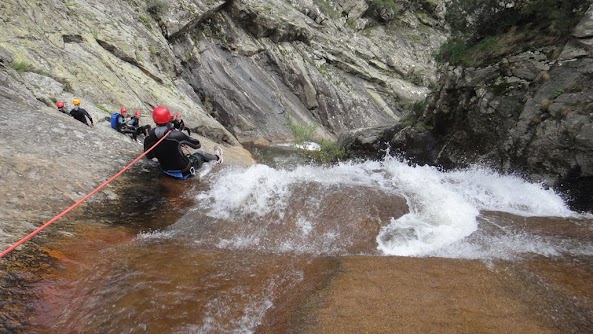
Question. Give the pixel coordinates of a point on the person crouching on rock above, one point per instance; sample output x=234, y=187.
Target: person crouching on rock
x=169, y=152
x=120, y=124
x=134, y=123
x=178, y=124
x=80, y=114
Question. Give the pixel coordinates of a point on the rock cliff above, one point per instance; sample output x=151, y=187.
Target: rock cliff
x=238, y=71
x=529, y=113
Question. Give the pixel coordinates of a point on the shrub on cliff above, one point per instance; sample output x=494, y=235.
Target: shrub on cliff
x=157, y=8
x=476, y=27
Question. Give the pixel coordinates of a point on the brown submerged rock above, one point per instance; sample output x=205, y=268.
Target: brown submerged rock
x=428, y=295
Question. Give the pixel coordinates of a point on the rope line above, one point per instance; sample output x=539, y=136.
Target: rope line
x=63, y=213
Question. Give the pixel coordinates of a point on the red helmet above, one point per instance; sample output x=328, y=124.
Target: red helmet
x=60, y=104
x=178, y=116
x=138, y=113
x=123, y=111
x=161, y=115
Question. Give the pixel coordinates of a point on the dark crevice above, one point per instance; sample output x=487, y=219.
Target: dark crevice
x=72, y=39
x=121, y=55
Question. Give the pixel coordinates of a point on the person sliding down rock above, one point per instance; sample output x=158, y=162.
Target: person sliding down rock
x=169, y=152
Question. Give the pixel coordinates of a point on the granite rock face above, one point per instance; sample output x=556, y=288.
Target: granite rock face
x=530, y=113
x=238, y=71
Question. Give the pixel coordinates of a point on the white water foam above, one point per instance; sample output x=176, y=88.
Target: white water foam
x=443, y=205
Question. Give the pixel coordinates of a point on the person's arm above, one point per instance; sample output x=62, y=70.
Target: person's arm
x=148, y=142
x=89, y=117
x=187, y=140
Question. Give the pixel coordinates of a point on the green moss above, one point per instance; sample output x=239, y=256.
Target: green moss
x=104, y=109
x=21, y=66
x=146, y=21
x=152, y=49
x=558, y=92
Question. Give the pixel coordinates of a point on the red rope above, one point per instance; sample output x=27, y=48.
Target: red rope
x=186, y=149
x=63, y=213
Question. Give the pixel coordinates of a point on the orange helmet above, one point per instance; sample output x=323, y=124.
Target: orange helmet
x=138, y=113
x=122, y=111
x=60, y=104
x=161, y=115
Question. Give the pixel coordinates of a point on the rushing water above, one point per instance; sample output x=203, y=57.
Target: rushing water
x=251, y=247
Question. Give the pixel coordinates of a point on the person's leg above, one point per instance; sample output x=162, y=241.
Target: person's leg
x=188, y=132
x=128, y=131
x=145, y=130
x=138, y=131
x=197, y=159
x=208, y=156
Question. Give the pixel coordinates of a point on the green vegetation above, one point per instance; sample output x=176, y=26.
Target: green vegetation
x=329, y=151
x=558, y=93
x=484, y=30
x=21, y=66
x=102, y=108
x=157, y=8
x=458, y=51
x=416, y=112
x=146, y=21
x=418, y=108
x=302, y=132
x=208, y=105
x=152, y=49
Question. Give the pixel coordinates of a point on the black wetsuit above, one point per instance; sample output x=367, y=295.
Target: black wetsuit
x=170, y=153
x=134, y=123
x=81, y=115
x=122, y=127
x=180, y=125
x=62, y=110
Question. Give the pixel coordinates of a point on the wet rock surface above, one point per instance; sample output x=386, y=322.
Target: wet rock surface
x=238, y=71
x=528, y=114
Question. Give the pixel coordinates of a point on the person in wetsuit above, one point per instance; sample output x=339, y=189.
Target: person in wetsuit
x=134, y=123
x=178, y=124
x=121, y=125
x=80, y=114
x=169, y=152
